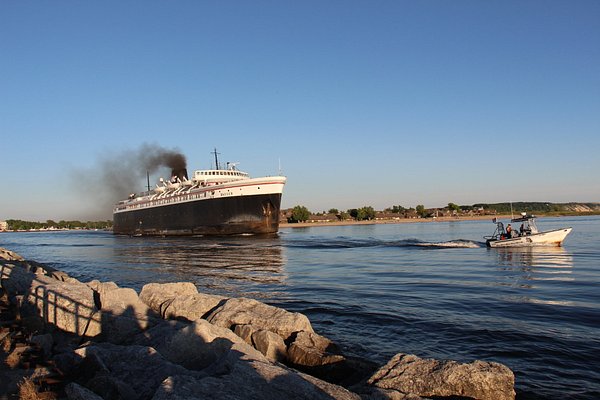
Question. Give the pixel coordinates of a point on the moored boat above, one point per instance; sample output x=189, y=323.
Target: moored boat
x=527, y=235
x=220, y=201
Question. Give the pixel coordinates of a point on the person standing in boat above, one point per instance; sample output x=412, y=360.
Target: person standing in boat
x=508, y=231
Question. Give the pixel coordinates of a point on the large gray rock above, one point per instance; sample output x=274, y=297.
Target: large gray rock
x=122, y=313
x=242, y=311
x=270, y=344
x=158, y=295
x=194, y=345
x=102, y=287
x=110, y=297
x=245, y=332
x=191, y=307
x=133, y=372
x=408, y=373
x=15, y=278
x=68, y=306
x=44, y=342
x=9, y=255
x=375, y=393
x=237, y=377
x=310, y=349
x=78, y=392
x=318, y=356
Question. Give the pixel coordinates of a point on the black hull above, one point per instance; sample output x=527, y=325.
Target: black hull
x=221, y=216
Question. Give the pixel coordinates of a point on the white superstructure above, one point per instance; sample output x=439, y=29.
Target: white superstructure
x=204, y=185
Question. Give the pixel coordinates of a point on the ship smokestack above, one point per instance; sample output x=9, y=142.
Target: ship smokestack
x=180, y=173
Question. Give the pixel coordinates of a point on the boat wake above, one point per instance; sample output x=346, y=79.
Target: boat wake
x=347, y=243
x=458, y=243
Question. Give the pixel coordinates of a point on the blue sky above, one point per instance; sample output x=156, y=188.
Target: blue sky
x=364, y=103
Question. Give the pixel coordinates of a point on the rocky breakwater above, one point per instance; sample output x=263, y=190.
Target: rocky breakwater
x=172, y=342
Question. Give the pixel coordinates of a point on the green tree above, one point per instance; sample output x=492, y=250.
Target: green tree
x=334, y=211
x=421, y=211
x=299, y=214
x=397, y=209
x=365, y=213
x=454, y=207
x=343, y=216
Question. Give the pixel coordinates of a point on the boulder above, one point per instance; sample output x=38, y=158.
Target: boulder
x=68, y=306
x=245, y=332
x=102, y=287
x=78, y=392
x=61, y=276
x=237, y=377
x=408, y=373
x=9, y=255
x=132, y=372
x=154, y=295
x=310, y=349
x=122, y=313
x=122, y=299
x=242, y=311
x=44, y=342
x=194, y=345
x=270, y=344
x=110, y=387
x=17, y=276
x=191, y=307
x=318, y=356
x=374, y=393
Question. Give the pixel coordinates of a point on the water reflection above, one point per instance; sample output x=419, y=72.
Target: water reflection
x=231, y=266
x=535, y=257
x=532, y=268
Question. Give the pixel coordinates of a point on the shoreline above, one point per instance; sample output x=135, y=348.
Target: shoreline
x=393, y=221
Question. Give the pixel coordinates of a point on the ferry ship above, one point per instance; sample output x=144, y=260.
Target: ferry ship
x=213, y=202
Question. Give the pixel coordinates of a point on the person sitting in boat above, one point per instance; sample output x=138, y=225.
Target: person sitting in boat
x=509, y=231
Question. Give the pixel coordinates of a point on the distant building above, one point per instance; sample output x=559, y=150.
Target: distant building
x=3, y=226
x=322, y=218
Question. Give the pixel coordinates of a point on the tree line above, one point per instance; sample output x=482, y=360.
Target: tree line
x=18, y=225
x=301, y=213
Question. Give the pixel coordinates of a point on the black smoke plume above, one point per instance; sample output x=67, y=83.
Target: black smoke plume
x=117, y=175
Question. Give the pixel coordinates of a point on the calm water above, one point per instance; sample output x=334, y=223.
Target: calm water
x=432, y=289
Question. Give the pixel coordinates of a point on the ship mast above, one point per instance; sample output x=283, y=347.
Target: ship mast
x=216, y=158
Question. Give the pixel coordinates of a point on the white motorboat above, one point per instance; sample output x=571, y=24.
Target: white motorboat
x=526, y=235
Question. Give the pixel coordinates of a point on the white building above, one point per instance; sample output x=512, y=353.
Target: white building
x=3, y=226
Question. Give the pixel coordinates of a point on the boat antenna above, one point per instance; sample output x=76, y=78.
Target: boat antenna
x=216, y=158
x=279, y=166
x=148, y=179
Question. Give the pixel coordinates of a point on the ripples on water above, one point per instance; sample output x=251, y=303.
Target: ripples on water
x=430, y=289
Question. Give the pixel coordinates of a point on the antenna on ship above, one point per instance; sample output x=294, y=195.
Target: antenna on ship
x=216, y=158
